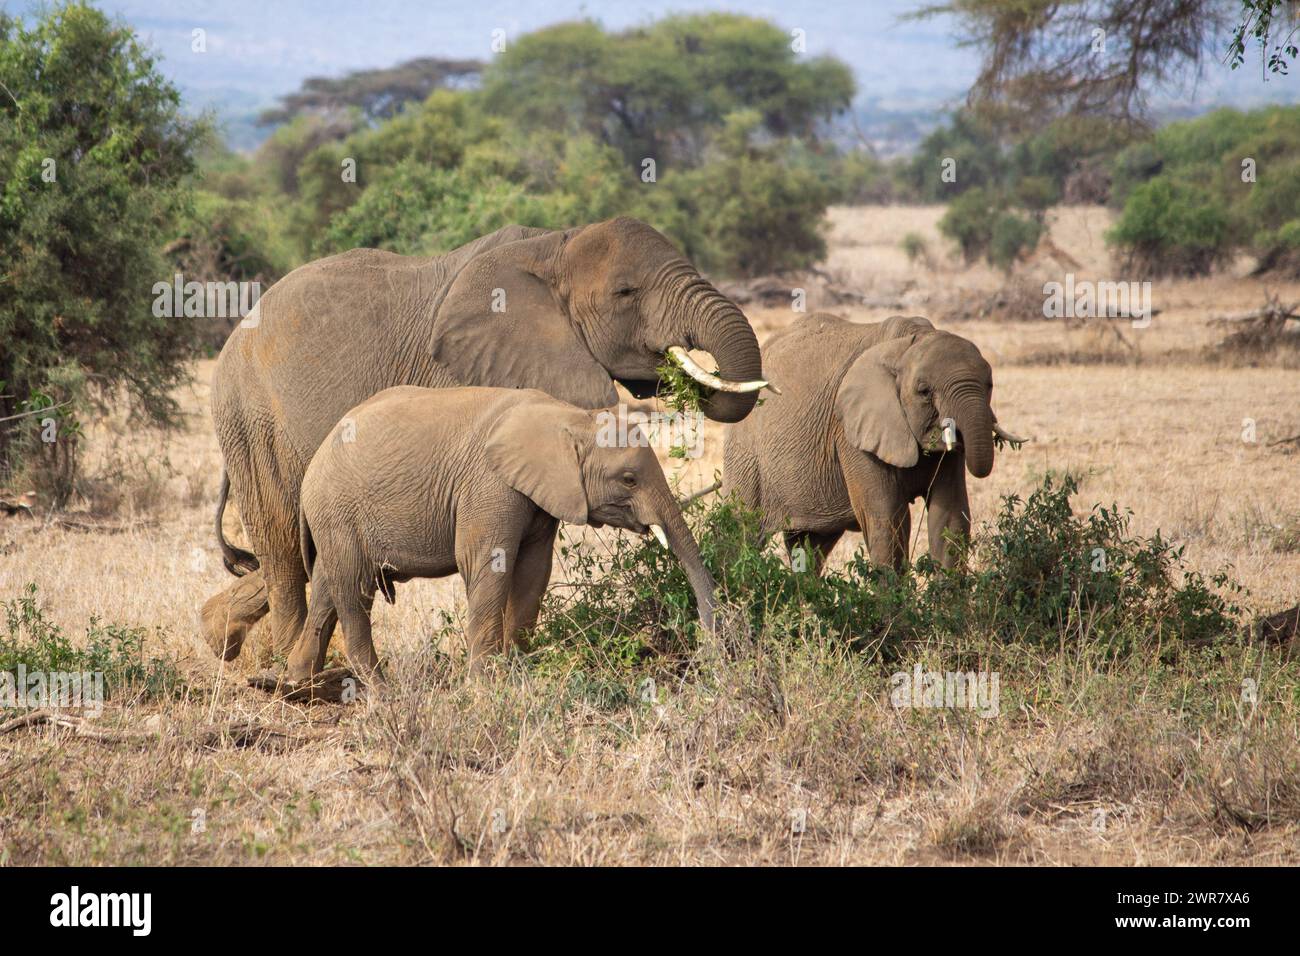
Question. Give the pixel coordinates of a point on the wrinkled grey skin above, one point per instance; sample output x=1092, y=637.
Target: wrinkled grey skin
x=855, y=436
x=567, y=312
x=419, y=482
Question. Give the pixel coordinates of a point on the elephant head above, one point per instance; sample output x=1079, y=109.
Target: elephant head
x=896, y=395
x=559, y=457
x=572, y=312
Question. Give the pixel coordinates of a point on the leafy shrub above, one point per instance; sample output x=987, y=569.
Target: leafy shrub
x=1011, y=237
x=1171, y=228
x=968, y=221
x=1202, y=166
x=749, y=210
x=1045, y=574
x=982, y=226
x=914, y=247
x=1041, y=574
x=37, y=644
x=419, y=210
x=96, y=158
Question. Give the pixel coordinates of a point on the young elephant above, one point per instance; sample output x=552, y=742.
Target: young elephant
x=419, y=482
x=858, y=434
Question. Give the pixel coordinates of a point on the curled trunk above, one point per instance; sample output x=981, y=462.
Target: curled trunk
x=715, y=325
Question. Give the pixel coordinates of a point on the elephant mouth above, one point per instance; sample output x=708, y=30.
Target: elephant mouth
x=640, y=387
x=936, y=442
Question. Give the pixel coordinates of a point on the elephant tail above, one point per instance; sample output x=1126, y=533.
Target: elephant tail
x=237, y=561
x=305, y=544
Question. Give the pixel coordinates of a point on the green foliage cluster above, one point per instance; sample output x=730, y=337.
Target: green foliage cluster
x=561, y=132
x=983, y=227
x=1201, y=190
x=999, y=186
x=32, y=640
x=1039, y=575
x=94, y=156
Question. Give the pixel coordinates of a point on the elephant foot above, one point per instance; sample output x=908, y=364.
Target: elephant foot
x=228, y=616
x=335, y=685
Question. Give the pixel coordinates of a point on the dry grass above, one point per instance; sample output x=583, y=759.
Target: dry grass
x=784, y=752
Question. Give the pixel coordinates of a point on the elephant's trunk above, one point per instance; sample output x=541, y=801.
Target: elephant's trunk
x=714, y=324
x=665, y=513
x=974, y=419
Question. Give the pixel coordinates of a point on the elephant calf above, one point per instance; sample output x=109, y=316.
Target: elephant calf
x=419, y=482
x=859, y=433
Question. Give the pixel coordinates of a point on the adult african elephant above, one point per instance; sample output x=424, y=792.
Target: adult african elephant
x=858, y=434
x=567, y=312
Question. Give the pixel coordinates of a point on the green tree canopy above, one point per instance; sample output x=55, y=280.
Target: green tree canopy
x=662, y=90
x=94, y=151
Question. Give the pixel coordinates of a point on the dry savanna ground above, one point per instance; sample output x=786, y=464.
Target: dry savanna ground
x=779, y=753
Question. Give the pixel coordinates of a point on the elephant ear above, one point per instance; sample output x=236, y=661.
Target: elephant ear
x=534, y=446
x=869, y=406
x=502, y=321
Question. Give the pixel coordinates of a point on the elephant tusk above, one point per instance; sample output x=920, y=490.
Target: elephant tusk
x=1002, y=434
x=949, y=433
x=708, y=379
x=659, y=535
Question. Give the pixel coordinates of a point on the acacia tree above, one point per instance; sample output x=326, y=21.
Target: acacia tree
x=1043, y=58
x=664, y=90
x=95, y=152
x=376, y=94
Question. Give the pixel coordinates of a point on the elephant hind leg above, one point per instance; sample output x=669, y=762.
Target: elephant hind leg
x=354, y=616
x=287, y=584
x=229, y=615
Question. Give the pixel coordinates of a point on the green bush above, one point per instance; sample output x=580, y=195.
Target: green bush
x=116, y=651
x=96, y=158
x=1171, y=228
x=1011, y=237
x=419, y=210
x=1200, y=166
x=1040, y=574
x=968, y=221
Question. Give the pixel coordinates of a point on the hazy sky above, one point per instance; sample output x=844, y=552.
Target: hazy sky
x=262, y=48
x=269, y=46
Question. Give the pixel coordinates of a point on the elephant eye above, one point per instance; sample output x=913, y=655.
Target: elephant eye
x=626, y=291
x=629, y=479
x=923, y=389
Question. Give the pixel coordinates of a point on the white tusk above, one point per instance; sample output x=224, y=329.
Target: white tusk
x=949, y=433
x=708, y=379
x=1006, y=436
x=659, y=535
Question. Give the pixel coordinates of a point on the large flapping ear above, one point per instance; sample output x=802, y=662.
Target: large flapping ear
x=870, y=408
x=503, y=321
x=535, y=447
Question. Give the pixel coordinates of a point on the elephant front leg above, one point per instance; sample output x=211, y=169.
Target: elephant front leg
x=948, y=510
x=489, y=593
x=880, y=508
